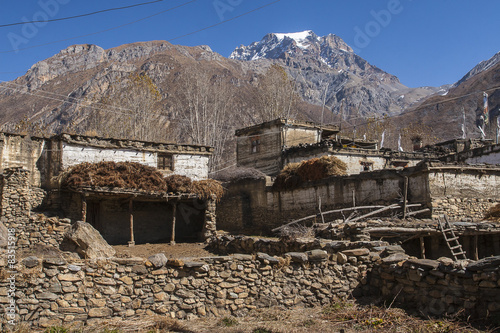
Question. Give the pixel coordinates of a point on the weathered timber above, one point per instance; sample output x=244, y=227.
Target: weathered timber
x=374, y=212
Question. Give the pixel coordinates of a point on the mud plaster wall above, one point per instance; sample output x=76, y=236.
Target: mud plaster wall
x=252, y=204
x=466, y=194
x=21, y=151
x=461, y=194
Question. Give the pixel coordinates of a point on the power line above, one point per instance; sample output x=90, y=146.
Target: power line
x=99, y=32
x=420, y=107
x=80, y=15
x=145, y=18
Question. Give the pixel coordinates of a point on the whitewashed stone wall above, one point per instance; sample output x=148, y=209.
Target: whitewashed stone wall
x=193, y=166
x=353, y=161
x=459, y=184
x=76, y=154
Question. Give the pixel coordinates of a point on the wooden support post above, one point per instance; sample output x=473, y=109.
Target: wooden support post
x=476, y=252
x=422, y=247
x=174, y=211
x=405, y=199
x=321, y=213
x=354, y=198
x=131, y=213
x=84, y=208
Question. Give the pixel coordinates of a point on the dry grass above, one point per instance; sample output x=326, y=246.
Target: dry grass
x=342, y=316
x=493, y=213
x=127, y=175
x=179, y=184
x=207, y=188
x=135, y=176
x=292, y=232
x=295, y=174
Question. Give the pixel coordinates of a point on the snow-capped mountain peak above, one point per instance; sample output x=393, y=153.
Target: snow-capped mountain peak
x=281, y=45
x=302, y=39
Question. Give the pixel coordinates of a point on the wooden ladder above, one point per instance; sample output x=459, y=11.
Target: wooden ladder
x=451, y=239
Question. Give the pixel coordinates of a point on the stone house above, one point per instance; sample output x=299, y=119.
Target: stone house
x=113, y=211
x=261, y=146
x=270, y=146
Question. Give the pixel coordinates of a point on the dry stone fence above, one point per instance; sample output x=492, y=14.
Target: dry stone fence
x=64, y=289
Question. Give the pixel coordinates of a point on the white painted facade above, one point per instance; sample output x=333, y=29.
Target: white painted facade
x=193, y=166
x=76, y=154
x=355, y=162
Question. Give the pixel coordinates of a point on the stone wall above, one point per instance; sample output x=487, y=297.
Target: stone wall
x=21, y=151
x=54, y=292
x=57, y=291
x=455, y=207
x=253, y=204
x=17, y=199
x=462, y=192
x=16, y=195
x=441, y=287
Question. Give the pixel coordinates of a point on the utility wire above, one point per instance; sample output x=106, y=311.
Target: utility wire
x=420, y=107
x=81, y=15
x=99, y=32
x=145, y=18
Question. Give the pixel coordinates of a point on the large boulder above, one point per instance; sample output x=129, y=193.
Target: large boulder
x=87, y=242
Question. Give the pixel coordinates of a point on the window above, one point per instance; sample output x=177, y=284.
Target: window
x=166, y=162
x=255, y=144
x=366, y=165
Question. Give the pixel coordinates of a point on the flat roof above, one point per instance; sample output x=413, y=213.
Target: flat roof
x=332, y=129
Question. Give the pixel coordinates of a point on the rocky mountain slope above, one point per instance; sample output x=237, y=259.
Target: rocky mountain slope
x=151, y=87
x=328, y=63
x=481, y=67
x=444, y=113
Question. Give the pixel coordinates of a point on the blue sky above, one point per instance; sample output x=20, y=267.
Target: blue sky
x=423, y=42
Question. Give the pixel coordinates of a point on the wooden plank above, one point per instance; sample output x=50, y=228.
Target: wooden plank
x=476, y=252
x=381, y=210
x=405, y=198
x=84, y=208
x=174, y=210
x=325, y=213
x=422, y=247
x=131, y=215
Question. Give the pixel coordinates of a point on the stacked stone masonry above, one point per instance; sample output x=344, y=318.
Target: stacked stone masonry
x=441, y=287
x=455, y=207
x=55, y=292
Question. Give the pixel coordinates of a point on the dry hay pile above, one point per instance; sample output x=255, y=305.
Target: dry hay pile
x=203, y=188
x=179, y=184
x=238, y=173
x=126, y=175
x=493, y=213
x=295, y=174
x=136, y=176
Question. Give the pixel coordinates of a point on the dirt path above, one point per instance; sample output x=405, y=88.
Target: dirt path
x=181, y=250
